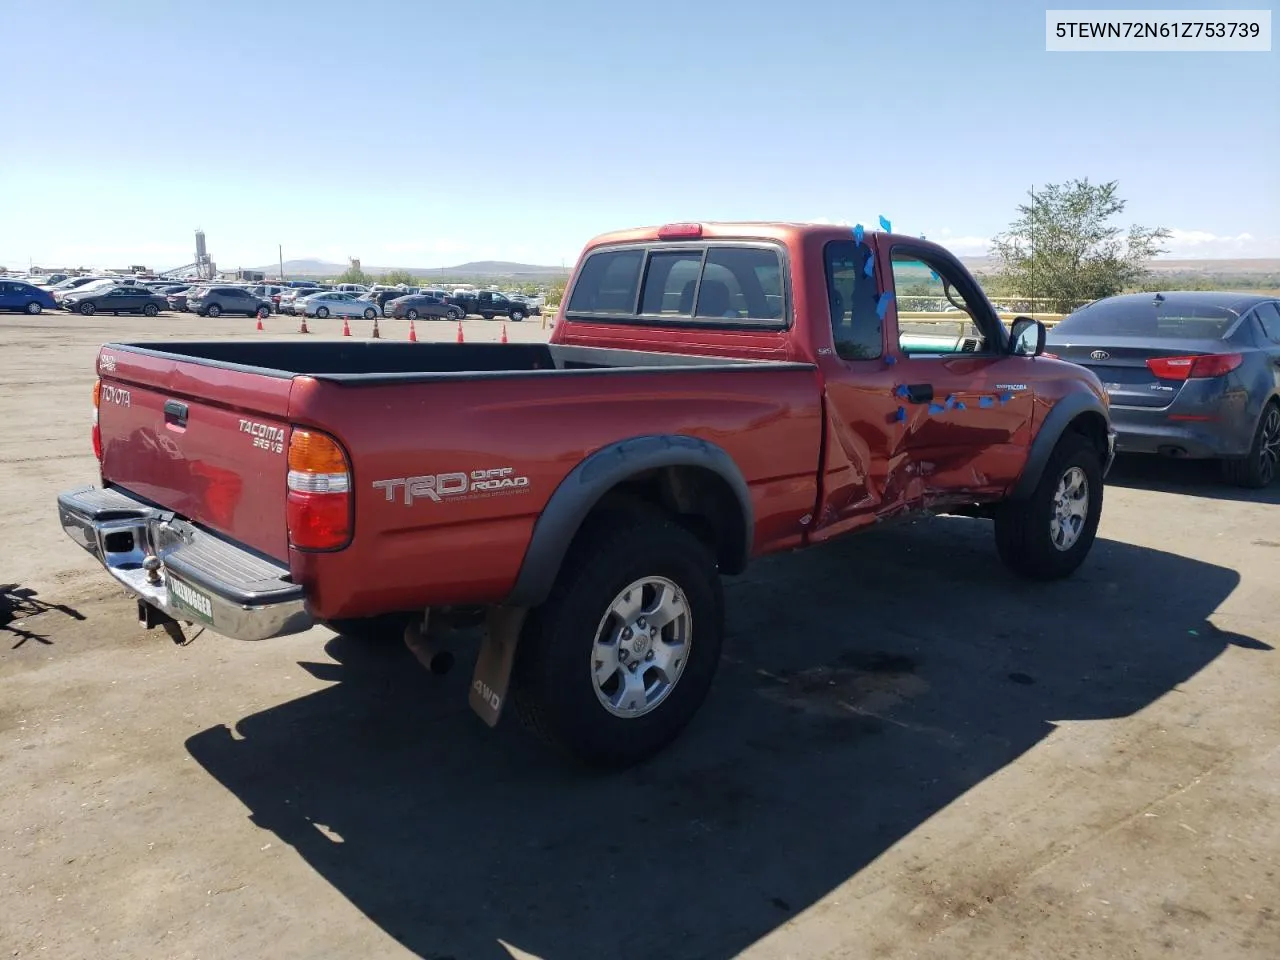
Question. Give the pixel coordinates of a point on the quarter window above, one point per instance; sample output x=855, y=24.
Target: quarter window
x=1269, y=317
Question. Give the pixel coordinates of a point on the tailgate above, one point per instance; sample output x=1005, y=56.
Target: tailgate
x=208, y=442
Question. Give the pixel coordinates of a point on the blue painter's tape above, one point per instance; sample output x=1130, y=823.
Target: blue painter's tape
x=959, y=404
x=890, y=360
x=869, y=268
x=934, y=275
x=901, y=390
x=951, y=402
x=901, y=414
x=985, y=402
x=882, y=305
x=936, y=409
x=857, y=234
x=1005, y=397
x=885, y=225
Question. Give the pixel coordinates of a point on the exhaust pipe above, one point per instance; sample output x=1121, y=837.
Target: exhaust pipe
x=439, y=661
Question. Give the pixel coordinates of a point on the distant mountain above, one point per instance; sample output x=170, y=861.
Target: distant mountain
x=476, y=268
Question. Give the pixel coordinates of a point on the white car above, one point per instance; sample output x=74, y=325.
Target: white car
x=335, y=303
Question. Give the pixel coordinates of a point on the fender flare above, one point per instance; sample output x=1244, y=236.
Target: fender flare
x=595, y=476
x=1055, y=425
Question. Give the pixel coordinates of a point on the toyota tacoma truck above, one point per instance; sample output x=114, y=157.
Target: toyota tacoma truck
x=711, y=393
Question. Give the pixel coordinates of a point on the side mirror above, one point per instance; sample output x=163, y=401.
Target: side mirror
x=1027, y=337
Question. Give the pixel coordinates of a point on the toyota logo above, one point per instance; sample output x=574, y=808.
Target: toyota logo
x=1099, y=355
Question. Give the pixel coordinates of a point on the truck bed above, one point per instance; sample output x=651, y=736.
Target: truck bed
x=369, y=361
x=406, y=410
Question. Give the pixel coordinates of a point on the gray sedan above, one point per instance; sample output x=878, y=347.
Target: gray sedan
x=337, y=304
x=1189, y=374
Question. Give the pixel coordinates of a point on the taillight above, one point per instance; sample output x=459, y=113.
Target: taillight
x=97, y=430
x=319, y=499
x=1186, y=368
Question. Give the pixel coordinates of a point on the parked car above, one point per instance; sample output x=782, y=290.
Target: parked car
x=81, y=284
x=421, y=305
x=350, y=288
x=489, y=304
x=178, y=299
x=27, y=297
x=270, y=292
x=383, y=298
x=754, y=421
x=217, y=300
x=1189, y=375
x=125, y=298
x=336, y=303
x=48, y=281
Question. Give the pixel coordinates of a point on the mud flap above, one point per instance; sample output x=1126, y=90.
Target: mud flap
x=493, y=666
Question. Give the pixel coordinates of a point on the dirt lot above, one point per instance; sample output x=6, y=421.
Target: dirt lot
x=907, y=753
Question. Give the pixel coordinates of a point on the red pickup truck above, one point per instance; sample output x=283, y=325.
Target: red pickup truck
x=711, y=393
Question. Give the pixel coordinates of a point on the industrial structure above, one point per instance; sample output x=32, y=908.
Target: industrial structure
x=203, y=269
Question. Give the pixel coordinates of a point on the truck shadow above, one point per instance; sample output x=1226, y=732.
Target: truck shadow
x=866, y=686
x=1192, y=478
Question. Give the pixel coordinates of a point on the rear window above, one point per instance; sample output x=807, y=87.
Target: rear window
x=730, y=283
x=1149, y=319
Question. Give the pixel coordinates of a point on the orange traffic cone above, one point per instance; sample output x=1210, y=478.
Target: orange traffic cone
x=303, y=328
x=413, y=334
x=376, y=334
x=346, y=328
x=460, y=340
x=504, y=334
x=261, y=328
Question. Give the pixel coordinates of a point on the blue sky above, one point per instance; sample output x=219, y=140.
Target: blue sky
x=429, y=134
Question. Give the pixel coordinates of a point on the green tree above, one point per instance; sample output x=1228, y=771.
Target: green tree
x=391, y=278
x=352, y=275
x=1064, y=247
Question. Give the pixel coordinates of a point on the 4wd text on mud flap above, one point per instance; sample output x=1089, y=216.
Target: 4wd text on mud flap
x=487, y=694
x=438, y=486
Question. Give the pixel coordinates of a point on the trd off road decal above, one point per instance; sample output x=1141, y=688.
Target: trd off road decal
x=475, y=485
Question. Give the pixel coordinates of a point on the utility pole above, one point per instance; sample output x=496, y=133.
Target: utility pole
x=280, y=251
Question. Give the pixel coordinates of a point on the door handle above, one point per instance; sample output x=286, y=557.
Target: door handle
x=920, y=392
x=175, y=413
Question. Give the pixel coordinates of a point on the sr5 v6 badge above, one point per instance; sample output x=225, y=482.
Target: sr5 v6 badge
x=454, y=486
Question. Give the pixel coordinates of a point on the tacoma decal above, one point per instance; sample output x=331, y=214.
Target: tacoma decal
x=265, y=436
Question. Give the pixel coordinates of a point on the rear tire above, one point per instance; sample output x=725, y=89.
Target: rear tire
x=554, y=687
x=86, y=309
x=453, y=313
x=1261, y=467
x=1025, y=528
x=411, y=314
x=370, y=314
x=322, y=313
x=151, y=310
x=34, y=308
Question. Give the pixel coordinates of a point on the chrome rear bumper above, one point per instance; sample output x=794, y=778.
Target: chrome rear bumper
x=200, y=578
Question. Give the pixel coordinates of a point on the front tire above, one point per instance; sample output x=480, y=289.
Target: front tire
x=517, y=316
x=86, y=309
x=214, y=311
x=614, y=665
x=1261, y=467
x=322, y=313
x=371, y=314
x=454, y=313
x=1048, y=535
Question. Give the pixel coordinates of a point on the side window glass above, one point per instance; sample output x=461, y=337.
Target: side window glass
x=933, y=316
x=670, y=282
x=608, y=283
x=741, y=283
x=856, y=328
x=1269, y=317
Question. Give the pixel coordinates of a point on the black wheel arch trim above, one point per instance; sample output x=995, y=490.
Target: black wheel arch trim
x=1055, y=425
x=587, y=484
